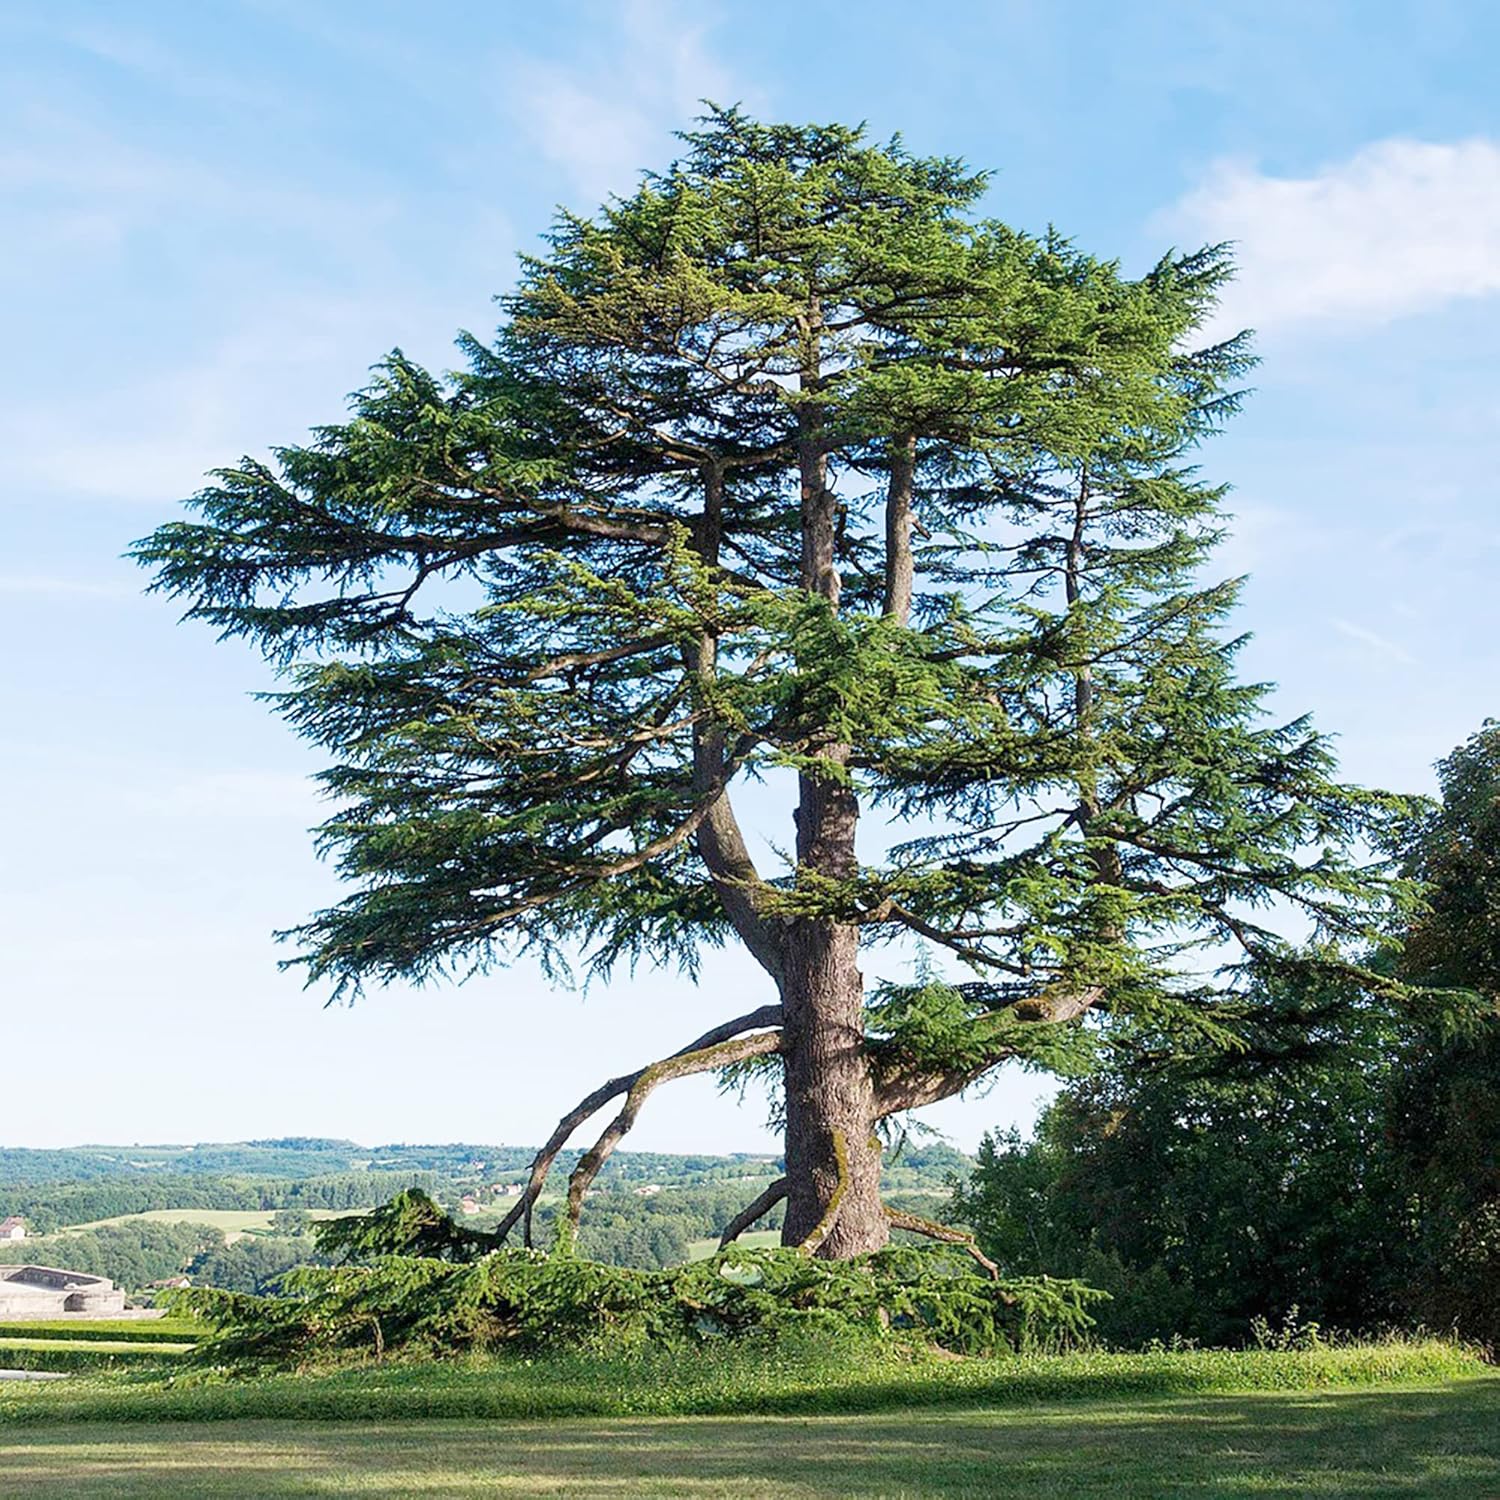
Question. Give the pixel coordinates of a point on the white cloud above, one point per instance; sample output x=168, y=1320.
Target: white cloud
x=1379, y=644
x=604, y=120
x=1400, y=227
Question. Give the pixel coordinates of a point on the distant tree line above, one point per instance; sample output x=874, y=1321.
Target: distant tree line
x=58, y=1205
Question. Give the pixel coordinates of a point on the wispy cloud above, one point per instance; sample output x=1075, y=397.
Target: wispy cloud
x=602, y=119
x=153, y=438
x=1400, y=227
x=1379, y=644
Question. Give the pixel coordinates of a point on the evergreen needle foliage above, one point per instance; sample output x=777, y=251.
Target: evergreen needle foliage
x=790, y=466
x=412, y=1281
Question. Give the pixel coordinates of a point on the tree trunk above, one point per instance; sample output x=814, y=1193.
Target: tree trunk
x=832, y=1157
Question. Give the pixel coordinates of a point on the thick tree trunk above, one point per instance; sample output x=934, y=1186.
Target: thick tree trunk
x=832, y=1157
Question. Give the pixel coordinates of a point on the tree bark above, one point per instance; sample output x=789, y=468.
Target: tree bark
x=898, y=521
x=832, y=1156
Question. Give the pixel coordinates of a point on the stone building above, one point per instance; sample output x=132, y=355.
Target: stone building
x=49, y=1292
x=12, y=1228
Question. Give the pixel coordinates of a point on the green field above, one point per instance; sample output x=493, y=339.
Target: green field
x=805, y=1419
x=720, y=1379
x=1390, y=1419
x=1438, y=1442
x=235, y=1222
x=756, y=1239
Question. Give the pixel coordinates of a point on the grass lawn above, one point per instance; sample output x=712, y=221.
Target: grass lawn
x=1441, y=1442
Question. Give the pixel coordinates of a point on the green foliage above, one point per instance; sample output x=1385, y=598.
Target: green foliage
x=131, y=1255
x=459, y=1293
x=544, y=614
x=1455, y=851
x=1203, y=1191
x=1444, y=1129
x=1445, y=1096
x=253, y=1263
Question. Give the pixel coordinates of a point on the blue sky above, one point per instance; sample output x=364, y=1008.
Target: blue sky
x=217, y=216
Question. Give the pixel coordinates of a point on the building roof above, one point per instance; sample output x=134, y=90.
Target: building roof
x=13, y=1222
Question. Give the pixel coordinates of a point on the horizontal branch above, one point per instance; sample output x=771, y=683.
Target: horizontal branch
x=915, y=1224
x=915, y=1087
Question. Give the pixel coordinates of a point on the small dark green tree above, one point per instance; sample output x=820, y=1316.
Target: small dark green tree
x=1455, y=852
x=787, y=467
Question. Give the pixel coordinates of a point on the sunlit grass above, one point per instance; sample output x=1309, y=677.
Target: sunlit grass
x=718, y=1379
x=1440, y=1442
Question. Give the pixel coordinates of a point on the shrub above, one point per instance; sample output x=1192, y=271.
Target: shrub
x=523, y=1300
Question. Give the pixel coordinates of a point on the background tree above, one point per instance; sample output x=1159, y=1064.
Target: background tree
x=1206, y=1190
x=1346, y=1160
x=788, y=466
x=1445, y=1101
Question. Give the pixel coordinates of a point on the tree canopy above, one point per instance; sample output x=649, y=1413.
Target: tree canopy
x=790, y=465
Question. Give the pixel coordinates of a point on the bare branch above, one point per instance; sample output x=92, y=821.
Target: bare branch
x=915, y=1224
x=680, y=1065
x=541, y=1165
x=752, y=1211
x=959, y=941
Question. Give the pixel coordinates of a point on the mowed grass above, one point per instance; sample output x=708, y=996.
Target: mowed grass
x=1441, y=1442
x=720, y=1379
x=166, y=1330
x=80, y=1346
x=235, y=1222
x=755, y=1239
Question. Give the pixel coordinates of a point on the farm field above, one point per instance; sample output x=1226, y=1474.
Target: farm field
x=235, y=1222
x=756, y=1239
x=1437, y=1442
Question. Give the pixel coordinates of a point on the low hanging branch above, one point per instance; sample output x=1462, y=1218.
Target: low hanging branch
x=752, y=1211
x=756, y=1020
x=916, y=1224
x=680, y=1065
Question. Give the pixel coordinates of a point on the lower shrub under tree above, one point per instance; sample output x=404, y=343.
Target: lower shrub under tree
x=429, y=1287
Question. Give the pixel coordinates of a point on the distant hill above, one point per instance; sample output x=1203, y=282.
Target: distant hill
x=298, y=1157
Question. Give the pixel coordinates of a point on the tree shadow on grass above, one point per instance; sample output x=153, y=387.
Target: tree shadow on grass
x=1439, y=1443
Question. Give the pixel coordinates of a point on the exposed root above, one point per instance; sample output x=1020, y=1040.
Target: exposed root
x=824, y=1227
x=916, y=1224
x=767, y=1015
x=752, y=1211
